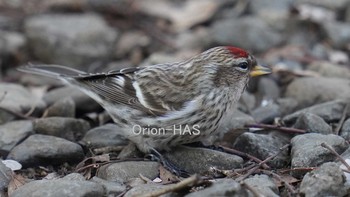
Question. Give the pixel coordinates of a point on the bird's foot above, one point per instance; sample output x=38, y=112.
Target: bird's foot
x=157, y=156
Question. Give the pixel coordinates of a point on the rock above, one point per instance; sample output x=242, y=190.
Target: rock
x=273, y=12
x=103, y=136
x=222, y=187
x=184, y=15
x=309, y=90
x=263, y=146
x=42, y=149
x=334, y=5
x=124, y=171
x=312, y=123
x=263, y=184
x=193, y=39
x=243, y=32
x=74, y=177
x=298, y=32
x=328, y=69
x=83, y=102
x=327, y=180
x=267, y=113
x=287, y=105
x=70, y=39
x=60, y=187
x=131, y=40
x=264, y=6
x=247, y=102
x=140, y=190
x=130, y=151
x=268, y=89
x=63, y=108
x=111, y=188
x=200, y=160
x=329, y=111
x=308, y=152
x=338, y=33
x=238, y=120
x=345, y=131
x=67, y=128
x=12, y=133
x=9, y=23
x=5, y=177
x=11, y=44
x=18, y=99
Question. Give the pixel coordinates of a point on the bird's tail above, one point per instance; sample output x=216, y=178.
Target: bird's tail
x=55, y=71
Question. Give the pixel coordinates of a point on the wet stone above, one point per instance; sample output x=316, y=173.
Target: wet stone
x=67, y=128
x=222, y=187
x=83, y=102
x=267, y=113
x=312, y=123
x=104, y=136
x=42, y=149
x=200, y=160
x=329, y=111
x=345, y=130
x=308, y=152
x=18, y=99
x=62, y=108
x=263, y=184
x=12, y=133
x=5, y=177
x=262, y=146
x=309, y=91
x=112, y=188
x=69, y=39
x=60, y=187
x=124, y=171
x=327, y=180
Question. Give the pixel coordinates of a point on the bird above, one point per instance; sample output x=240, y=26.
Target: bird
x=161, y=106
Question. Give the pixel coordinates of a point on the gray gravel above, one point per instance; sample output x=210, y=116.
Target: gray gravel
x=53, y=130
x=41, y=149
x=55, y=37
x=327, y=180
x=308, y=152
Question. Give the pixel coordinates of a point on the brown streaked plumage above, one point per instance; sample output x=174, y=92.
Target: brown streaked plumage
x=172, y=98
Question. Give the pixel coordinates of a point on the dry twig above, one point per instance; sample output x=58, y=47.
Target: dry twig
x=180, y=185
x=276, y=127
x=242, y=154
x=251, y=189
x=17, y=114
x=286, y=184
x=252, y=171
x=324, y=145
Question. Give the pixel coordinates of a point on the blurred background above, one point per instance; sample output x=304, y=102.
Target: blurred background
x=300, y=40
x=305, y=42
x=96, y=34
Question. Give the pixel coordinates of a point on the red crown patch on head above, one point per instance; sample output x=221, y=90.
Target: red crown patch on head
x=237, y=51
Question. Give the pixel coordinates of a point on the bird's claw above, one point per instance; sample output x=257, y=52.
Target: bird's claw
x=158, y=157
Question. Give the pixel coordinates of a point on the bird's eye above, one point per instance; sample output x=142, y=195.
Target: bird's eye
x=243, y=66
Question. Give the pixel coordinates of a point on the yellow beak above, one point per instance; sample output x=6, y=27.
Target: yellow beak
x=260, y=70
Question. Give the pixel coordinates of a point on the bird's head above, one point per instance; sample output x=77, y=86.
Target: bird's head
x=230, y=66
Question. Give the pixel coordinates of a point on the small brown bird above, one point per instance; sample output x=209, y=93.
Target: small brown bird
x=165, y=105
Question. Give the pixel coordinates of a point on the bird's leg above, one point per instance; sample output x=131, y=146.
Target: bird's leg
x=157, y=156
x=201, y=145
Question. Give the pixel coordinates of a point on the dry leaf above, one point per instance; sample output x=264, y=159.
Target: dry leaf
x=166, y=176
x=16, y=182
x=286, y=177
